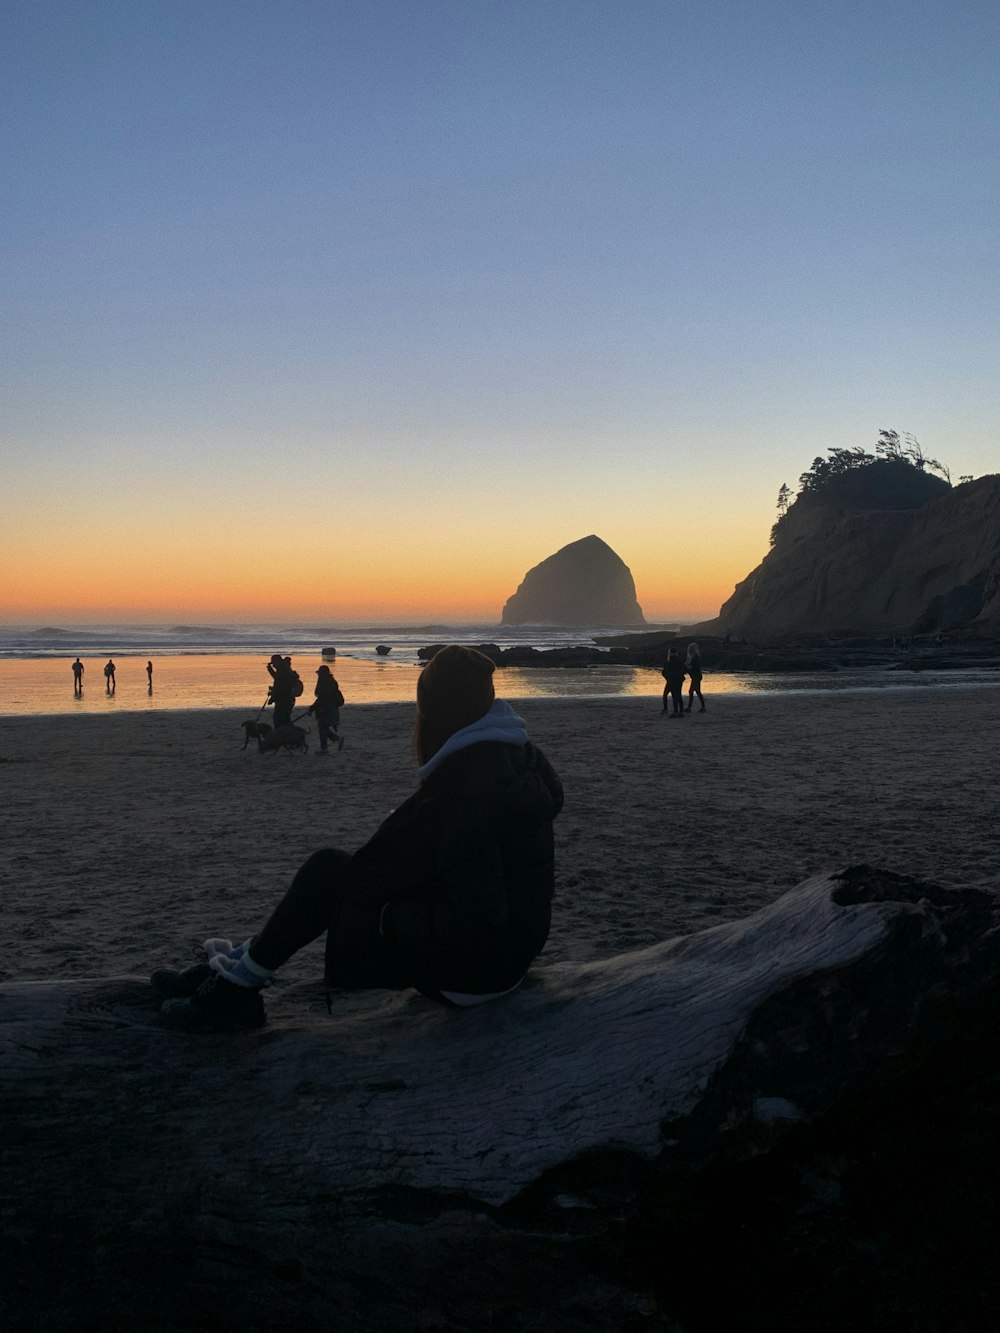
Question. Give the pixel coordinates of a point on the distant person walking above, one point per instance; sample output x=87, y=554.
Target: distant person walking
x=149, y=675
x=327, y=706
x=693, y=664
x=109, y=676
x=77, y=677
x=673, y=673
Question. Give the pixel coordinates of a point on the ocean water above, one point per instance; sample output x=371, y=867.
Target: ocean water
x=204, y=666
x=352, y=642
x=224, y=666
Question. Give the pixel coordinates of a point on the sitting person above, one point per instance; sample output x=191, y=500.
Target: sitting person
x=452, y=895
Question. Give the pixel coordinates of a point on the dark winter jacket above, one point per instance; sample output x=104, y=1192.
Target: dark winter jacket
x=673, y=673
x=454, y=890
x=328, y=698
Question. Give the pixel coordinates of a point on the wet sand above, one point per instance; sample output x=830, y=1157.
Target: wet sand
x=131, y=838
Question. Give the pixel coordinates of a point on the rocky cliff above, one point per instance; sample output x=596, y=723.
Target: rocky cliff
x=842, y=570
x=584, y=583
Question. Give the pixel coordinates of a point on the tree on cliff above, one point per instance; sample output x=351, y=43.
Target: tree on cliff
x=899, y=475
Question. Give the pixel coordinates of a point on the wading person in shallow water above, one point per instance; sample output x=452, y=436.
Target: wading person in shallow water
x=78, y=677
x=452, y=895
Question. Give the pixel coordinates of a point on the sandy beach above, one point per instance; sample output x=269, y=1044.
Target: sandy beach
x=130, y=838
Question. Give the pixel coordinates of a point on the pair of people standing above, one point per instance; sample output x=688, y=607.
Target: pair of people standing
x=675, y=673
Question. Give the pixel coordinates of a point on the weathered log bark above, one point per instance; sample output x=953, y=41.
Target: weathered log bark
x=280, y=1143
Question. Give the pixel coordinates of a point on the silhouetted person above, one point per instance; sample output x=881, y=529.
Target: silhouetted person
x=77, y=677
x=149, y=676
x=109, y=676
x=282, y=693
x=326, y=706
x=451, y=896
x=693, y=665
x=673, y=673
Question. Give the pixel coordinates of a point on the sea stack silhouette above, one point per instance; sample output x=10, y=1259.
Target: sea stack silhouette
x=584, y=583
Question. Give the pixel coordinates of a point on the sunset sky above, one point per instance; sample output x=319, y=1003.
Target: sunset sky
x=357, y=309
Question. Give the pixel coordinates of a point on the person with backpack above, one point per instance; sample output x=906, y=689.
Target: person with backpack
x=327, y=706
x=285, y=689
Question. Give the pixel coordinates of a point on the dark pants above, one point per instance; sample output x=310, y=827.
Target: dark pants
x=315, y=903
x=327, y=727
x=282, y=713
x=675, y=693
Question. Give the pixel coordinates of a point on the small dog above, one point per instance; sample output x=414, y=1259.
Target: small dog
x=283, y=738
x=254, y=731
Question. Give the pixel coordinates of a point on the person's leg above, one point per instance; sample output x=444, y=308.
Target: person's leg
x=333, y=722
x=306, y=910
x=225, y=993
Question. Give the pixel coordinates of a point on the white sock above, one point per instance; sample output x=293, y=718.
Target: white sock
x=225, y=947
x=242, y=971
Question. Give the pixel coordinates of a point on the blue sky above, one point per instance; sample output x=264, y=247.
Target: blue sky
x=476, y=277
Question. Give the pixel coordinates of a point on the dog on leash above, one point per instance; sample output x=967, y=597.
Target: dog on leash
x=283, y=738
x=253, y=731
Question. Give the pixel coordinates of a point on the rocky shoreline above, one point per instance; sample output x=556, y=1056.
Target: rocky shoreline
x=810, y=653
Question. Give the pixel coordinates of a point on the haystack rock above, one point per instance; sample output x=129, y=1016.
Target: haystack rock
x=584, y=583
x=864, y=571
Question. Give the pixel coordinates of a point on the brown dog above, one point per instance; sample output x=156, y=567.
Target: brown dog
x=254, y=731
x=283, y=738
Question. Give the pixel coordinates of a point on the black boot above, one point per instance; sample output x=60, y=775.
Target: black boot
x=168, y=984
x=217, y=1005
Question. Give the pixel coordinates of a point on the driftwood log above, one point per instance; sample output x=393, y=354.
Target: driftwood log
x=398, y=1158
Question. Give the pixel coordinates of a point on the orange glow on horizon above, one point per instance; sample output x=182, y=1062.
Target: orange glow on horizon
x=397, y=577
